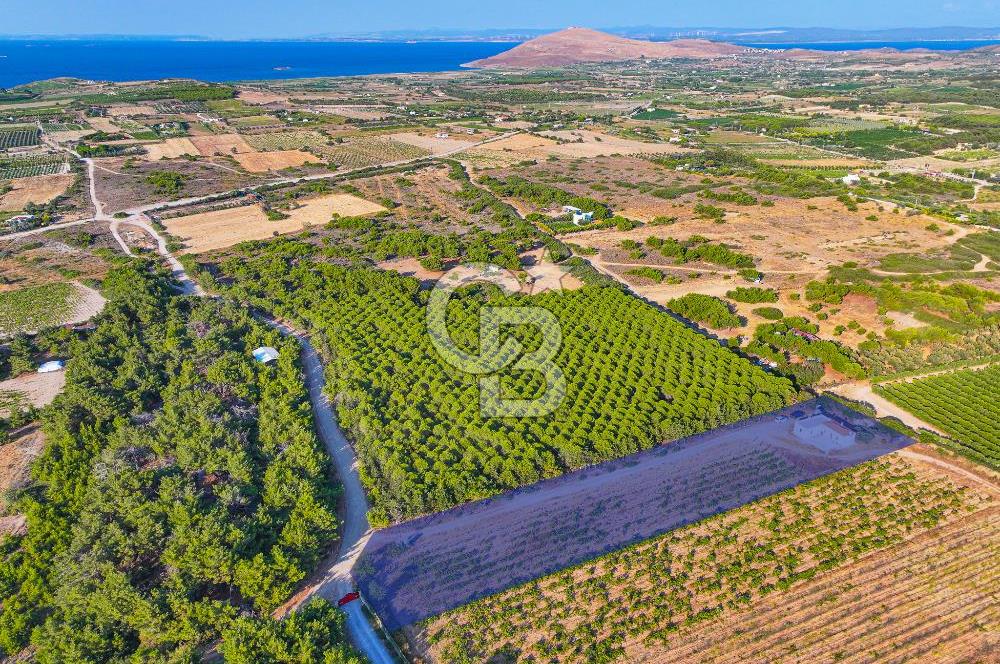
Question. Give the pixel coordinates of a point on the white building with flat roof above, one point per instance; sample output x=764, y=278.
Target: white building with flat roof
x=823, y=432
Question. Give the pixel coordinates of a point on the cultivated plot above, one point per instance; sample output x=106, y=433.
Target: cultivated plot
x=436, y=563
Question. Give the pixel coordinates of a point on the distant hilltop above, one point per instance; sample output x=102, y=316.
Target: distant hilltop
x=579, y=45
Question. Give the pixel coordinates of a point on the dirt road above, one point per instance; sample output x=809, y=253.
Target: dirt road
x=862, y=391
x=336, y=581
x=354, y=532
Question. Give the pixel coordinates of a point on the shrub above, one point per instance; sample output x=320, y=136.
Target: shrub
x=752, y=295
x=770, y=313
x=705, y=309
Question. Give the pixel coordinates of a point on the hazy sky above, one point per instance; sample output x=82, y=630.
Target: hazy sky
x=293, y=18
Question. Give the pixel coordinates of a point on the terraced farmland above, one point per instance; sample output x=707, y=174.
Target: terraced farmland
x=18, y=138
x=640, y=603
x=962, y=404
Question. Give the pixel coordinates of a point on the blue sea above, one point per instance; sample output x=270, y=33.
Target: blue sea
x=23, y=61
x=119, y=60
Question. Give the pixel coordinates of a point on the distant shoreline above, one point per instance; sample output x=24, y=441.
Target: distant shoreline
x=24, y=61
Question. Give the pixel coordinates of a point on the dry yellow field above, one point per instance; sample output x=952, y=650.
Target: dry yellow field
x=209, y=231
x=132, y=109
x=103, y=124
x=576, y=143
x=221, y=144
x=260, y=97
x=172, y=148
x=39, y=189
x=261, y=162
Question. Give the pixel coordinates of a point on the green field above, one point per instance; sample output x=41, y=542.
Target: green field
x=35, y=307
x=635, y=377
x=963, y=404
x=655, y=114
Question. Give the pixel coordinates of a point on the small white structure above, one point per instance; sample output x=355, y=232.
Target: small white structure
x=823, y=432
x=52, y=366
x=569, y=209
x=851, y=179
x=441, y=134
x=265, y=354
x=580, y=218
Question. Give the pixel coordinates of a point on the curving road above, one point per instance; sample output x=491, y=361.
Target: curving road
x=336, y=580
x=354, y=532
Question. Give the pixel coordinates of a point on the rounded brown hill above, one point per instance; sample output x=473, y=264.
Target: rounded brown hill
x=576, y=45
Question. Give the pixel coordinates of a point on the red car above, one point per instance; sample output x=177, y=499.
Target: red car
x=348, y=598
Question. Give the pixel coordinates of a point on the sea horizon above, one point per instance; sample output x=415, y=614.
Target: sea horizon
x=24, y=61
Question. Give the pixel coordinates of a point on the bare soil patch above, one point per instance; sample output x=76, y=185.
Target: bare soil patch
x=575, y=143
x=16, y=457
x=39, y=190
x=433, y=143
x=172, y=148
x=793, y=242
x=262, y=162
x=411, y=267
x=221, y=144
x=38, y=389
x=123, y=188
x=585, y=143
x=103, y=124
x=260, y=97
x=223, y=228
x=47, y=257
x=131, y=109
x=426, y=197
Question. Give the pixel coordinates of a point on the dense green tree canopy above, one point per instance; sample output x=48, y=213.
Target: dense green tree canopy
x=181, y=495
x=635, y=377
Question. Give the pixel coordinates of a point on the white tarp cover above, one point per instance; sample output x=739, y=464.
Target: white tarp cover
x=265, y=354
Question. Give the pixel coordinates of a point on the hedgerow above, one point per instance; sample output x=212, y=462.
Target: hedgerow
x=705, y=309
x=752, y=295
